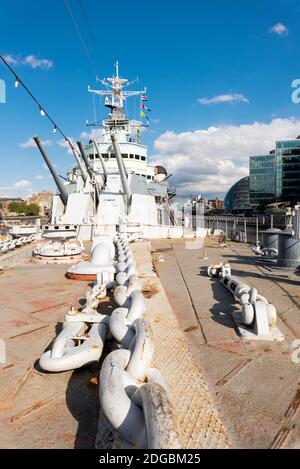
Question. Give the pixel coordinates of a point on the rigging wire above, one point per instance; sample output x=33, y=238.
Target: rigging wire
x=43, y=111
x=90, y=30
x=82, y=41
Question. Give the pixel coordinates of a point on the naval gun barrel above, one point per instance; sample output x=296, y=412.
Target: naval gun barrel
x=101, y=161
x=86, y=162
x=89, y=170
x=81, y=168
x=122, y=170
x=61, y=188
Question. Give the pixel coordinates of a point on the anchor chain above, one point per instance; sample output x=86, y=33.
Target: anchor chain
x=132, y=393
x=257, y=315
x=133, y=406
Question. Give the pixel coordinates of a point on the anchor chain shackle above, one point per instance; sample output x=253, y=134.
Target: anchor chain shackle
x=82, y=339
x=66, y=355
x=259, y=250
x=253, y=304
x=130, y=405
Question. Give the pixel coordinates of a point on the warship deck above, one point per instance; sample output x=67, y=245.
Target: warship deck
x=226, y=392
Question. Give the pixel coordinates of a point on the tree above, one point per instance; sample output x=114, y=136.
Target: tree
x=17, y=207
x=32, y=209
x=22, y=207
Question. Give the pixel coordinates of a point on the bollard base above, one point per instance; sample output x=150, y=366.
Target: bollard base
x=248, y=334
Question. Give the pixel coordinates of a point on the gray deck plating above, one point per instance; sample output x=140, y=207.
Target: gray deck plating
x=255, y=384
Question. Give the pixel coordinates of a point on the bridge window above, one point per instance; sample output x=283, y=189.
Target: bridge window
x=143, y=158
x=148, y=177
x=136, y=157
x=104, y=155
x=124, y=155
x=112, y=155
x=131, y=156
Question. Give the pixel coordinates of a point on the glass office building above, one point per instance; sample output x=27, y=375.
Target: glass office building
x=237, y=198
x=276, y=177
x=288, y=171
x=262, y=186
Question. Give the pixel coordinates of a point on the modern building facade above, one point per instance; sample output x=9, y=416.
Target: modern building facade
x=262, y=184
x=237, y=198
x=288, y=171
x=276, y=176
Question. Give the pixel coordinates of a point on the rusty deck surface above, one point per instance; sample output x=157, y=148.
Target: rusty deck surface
x=255, y=385
x=40, y=410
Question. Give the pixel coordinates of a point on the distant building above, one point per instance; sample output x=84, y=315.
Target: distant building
x=43, y=200
x=288, y=170
x=4, y=204
x=262, y=186
x=215, y=204
x=237, y=198
x=276, y=177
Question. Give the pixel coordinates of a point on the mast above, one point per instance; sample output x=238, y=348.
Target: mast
x=115, y=95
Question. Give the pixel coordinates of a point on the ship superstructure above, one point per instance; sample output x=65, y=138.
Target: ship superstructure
x=112, y=185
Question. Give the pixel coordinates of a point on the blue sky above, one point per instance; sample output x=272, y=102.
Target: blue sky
x=241, y=54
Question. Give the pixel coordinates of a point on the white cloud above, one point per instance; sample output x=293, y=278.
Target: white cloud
x=47, y=169
x=10, y=59
x=209, y=161
x=34, y=62
x=94, y=134
x=63, y=143
x=22, y=184
x=224, y=98
x=31, y=143
x=22, y=188
x=279, y=29
x=30, y=60
x=39, y=177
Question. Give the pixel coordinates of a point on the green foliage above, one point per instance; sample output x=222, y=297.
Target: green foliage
x=22, y=207
x=32, y=209
x=17, y=207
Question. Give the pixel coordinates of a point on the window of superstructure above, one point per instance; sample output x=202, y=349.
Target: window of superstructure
x=112, y=155
x=136, y=157
x=143, y=158
x=104, y=155
x=124, y=155
x=131, y=156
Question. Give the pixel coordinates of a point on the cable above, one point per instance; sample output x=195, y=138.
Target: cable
x=41, y=108
x=90, y=30
x=81, y=37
